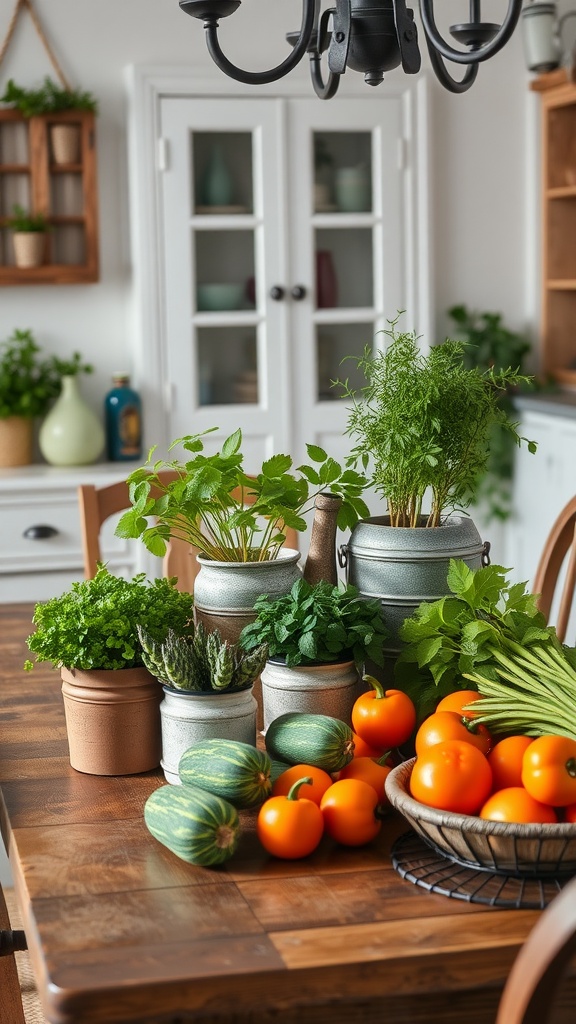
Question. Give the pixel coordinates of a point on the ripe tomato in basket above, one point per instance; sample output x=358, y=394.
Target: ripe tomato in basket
x=448, y=725
x=549, y=770
x=452, y=776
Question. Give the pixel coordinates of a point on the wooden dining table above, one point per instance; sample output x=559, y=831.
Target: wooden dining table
x=122, y=931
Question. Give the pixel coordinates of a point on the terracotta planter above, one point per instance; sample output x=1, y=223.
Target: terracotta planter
x=187, y=718
x=16, y=440
x=328, y=689
x=29, y=248
x=65, y=142
x=113, y=720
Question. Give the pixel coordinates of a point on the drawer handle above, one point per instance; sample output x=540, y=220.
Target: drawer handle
x=40, y=532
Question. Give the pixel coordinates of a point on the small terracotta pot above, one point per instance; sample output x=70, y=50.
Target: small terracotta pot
x=112, y=720
x=29, y=248
x=16, y=441
x=65, y=139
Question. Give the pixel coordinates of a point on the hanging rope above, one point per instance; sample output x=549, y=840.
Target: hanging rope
x=20, y=6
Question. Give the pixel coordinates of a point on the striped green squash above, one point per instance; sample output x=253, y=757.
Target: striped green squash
x=236, y=771
x=195, y=825
x=319, y=740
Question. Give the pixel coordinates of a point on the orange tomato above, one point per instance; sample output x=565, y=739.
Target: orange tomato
x=448, y=725
x=363, y=749
x=457, y=701
x=348, y=809
x=570, y=813
x=383, y=718
x=452, y=776
x=505, y=760
x=290, y=827
x=367, y=769
x=313, y=790
x=549, y=770
x=515, y=804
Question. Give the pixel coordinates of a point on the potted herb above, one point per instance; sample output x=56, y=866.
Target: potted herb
x=29, y=236
x=28, y=384
x=207, y=684
x=319, y=638
x=110, y=699
x=422, y=424
x=235, y=521
x=53, y=99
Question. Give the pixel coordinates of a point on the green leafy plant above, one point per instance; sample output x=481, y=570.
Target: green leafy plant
x=95, y=623
x=423, y=422
x=28, y=382
x=490, y=633
x=27, y=222
x=318, y=624
x=201, y=662
x=48, y=98
x=490, y=344
x=206, y=504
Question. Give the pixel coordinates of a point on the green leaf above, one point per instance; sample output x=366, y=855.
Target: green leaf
x=316, y=453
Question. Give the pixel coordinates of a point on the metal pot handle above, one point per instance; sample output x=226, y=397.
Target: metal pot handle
x=485, y=553
x=343, y=558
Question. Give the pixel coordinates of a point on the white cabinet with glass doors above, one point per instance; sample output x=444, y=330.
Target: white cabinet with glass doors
x=288, y=231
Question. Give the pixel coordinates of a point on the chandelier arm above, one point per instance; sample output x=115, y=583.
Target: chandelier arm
x=444, y=76
x=324, y=90
x=262, y=77
x=474, y=56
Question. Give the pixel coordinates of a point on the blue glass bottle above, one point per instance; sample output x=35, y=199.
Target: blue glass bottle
x=123, y=416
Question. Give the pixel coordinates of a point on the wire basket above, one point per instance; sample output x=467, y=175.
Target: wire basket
x=534, y=850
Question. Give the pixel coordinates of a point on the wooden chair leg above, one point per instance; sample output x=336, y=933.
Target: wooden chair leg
x=10, y=997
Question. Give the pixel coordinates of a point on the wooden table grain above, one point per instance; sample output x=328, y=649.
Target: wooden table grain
x=121, y=931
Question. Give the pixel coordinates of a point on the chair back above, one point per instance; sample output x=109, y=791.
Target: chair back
x=11, y=1008
x=528, y=996
x=561, y=542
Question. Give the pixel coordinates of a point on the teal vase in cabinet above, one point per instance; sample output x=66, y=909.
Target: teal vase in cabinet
x=217, y=181
x=71, y=434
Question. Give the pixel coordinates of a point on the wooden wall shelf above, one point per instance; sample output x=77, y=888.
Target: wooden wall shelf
x=65, y=192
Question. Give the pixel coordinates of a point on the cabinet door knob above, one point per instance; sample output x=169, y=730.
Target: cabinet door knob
x=40, y=532
x=277, y=293
x=298, y=292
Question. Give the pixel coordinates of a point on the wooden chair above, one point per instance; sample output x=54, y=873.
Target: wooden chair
x=561, y=541
x=528, y=996
x=99, y=503
x=11, y=1009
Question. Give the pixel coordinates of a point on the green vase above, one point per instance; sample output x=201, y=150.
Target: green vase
x=71, y=434
x=217, y=183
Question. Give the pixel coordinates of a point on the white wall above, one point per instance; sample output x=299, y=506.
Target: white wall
x=480, y=161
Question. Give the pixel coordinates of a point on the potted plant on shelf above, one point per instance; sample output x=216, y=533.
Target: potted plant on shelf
x=422, y=423
x=28, y=384
x=51, y=98
x=318, y=639
x=29, y=236
x=111, y=700
x=236, y=522
x=207, y=684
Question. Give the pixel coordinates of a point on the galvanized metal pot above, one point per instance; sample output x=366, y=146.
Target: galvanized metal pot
x=187, y=718
x=403, y=566
x=327, y=689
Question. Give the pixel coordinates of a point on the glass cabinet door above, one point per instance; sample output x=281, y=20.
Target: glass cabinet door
x=225, y=328
x=347, y=249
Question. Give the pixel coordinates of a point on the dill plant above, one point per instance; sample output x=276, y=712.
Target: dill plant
x=422, y=422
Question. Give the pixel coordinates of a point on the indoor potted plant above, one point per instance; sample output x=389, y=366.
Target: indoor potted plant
x=28, y=384
x=422, y=423
x=235, y=521
x=207, y=684
x=51, y=98
x=318, y=637
x=29, y=236
x=111, y=700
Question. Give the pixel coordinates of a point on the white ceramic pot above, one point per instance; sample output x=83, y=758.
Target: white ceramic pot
x=329, y=689
x=187, y=718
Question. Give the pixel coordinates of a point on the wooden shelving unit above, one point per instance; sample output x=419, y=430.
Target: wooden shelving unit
x=65, y=192
x=558, y=97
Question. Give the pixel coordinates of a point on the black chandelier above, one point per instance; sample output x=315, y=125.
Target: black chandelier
x=370, y=36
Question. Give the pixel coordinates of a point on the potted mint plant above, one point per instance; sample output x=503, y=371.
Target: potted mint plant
x=319, y=638
x=29, y=232
x=208, y=690
x=111, y=700
x=54, y=101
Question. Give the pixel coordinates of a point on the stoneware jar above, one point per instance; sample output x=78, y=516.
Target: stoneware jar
x=187, y=718
x=328, y=689
x=112, y=720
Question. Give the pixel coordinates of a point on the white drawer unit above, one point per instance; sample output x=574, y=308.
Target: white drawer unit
x=40, y=538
